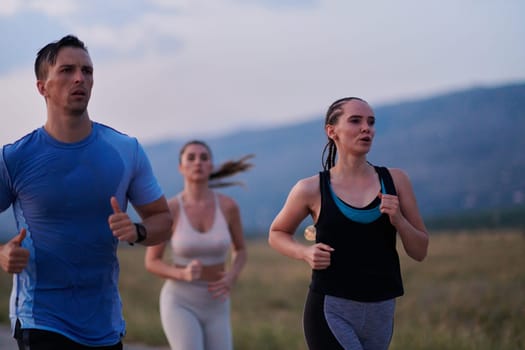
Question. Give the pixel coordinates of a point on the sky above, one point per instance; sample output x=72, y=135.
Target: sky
x=202, y=68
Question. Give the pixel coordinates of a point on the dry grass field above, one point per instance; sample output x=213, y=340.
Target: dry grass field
x=468, y=294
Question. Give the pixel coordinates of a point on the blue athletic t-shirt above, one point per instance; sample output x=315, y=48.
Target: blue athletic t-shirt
x=60, y=192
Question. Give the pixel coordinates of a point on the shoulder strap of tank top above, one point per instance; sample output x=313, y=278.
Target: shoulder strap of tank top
x=385, y=176
x=217, y=203
x=182, y=212
x=324, y=180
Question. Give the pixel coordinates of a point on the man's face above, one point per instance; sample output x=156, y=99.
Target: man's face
x=68, y=83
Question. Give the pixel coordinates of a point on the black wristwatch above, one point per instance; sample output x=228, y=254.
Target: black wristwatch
x=142, y=234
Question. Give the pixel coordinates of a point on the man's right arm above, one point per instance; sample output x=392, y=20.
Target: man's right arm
x=14, y=258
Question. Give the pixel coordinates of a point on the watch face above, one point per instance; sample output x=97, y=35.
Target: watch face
x=141, y=232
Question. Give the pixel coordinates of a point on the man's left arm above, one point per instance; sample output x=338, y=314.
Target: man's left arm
x=156, y=220
x=154, y=228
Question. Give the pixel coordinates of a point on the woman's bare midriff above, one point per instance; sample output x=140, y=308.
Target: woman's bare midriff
x=210, y=273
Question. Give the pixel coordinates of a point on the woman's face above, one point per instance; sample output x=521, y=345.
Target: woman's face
x=195, y=163
x=354, y=131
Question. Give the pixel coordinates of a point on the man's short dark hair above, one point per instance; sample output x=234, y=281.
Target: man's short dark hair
x=47, y=55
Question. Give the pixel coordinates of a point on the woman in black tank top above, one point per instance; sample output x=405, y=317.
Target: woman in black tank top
x=359, y=210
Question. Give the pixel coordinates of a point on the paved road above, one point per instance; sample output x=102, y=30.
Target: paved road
x=8, y=343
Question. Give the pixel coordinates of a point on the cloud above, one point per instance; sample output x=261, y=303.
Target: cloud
x=24, y=109
x=168, y=68
x=22, y=36
x=151, y=33
x=9, y=7
x=281, y=5
x=53, y=8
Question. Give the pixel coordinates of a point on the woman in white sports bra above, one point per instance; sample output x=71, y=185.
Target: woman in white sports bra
x=195, y=299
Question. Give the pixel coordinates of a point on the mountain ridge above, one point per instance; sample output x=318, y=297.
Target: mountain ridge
x=461, y=149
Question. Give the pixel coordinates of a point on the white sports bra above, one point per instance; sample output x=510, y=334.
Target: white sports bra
x=210, y=247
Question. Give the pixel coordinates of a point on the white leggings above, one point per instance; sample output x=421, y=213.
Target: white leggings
x=193, y=319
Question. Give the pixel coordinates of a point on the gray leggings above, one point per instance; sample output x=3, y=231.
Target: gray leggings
x=358, y=325
x=192, y=319
x=342, y=324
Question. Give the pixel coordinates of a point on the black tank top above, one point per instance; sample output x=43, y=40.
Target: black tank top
x=365, y=264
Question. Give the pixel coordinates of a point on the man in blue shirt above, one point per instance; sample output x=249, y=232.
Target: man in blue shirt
x=69, y=183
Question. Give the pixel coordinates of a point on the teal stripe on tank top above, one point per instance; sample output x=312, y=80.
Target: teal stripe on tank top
x=363, y=216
